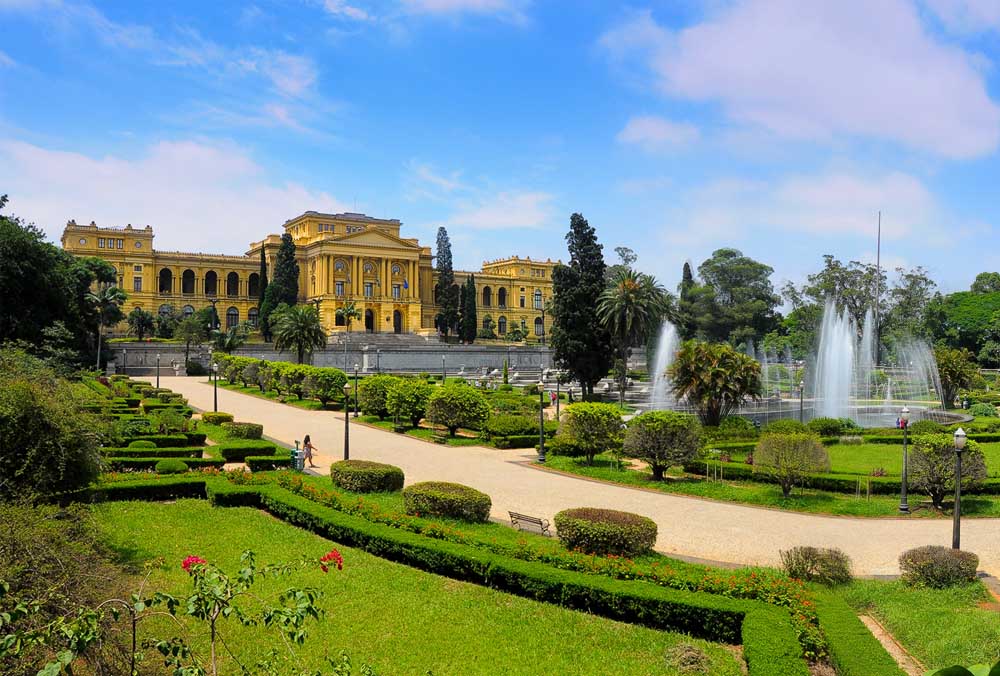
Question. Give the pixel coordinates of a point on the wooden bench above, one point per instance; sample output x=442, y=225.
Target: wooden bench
x=519, y=521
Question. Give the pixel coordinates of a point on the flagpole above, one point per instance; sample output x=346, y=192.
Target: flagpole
x=878, y=286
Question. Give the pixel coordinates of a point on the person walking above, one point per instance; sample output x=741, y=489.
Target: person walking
x=308, y=448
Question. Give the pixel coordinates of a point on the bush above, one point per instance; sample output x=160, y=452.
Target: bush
x=932, y=465
x=407, y=399
x=564, y=445
x=785, y=426
x=509, y=425
x=142, y=443
x=439, y=498
x=293, y=378
x=826, y=427
x=217, y=418
x=325, y=384
x=594, y=427
x=789, y=458
x=983, y=410
x=237, y=451
x=736, y=427
x=243, y=430
x=815, y=564
x=194, y=368
x=372, y=393
x=267, y=463
x=171, y=466
x=663, y=439
x=938, y=567
x=926, y=427
x=454, y=406
x=362, y=476
x=605, y=531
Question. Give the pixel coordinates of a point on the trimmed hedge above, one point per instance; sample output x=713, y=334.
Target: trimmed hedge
x=852, y=648
x=141, y=443
x=237, y=451
x=440, y=498
x=196, y=438
x=363, y=476
x=138, y=464
x=266, y=463
x=158, y=452
x=216, y=417
x=518, y=441
x=605, y=531
x=164, y=440
x=243, y=430
x=171, y=466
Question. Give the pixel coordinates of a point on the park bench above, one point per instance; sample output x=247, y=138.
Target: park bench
x=525, y=522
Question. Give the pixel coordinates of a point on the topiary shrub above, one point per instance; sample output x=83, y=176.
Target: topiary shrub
x=605, y=531
x=454, y=406
x=499, y=426
x=141, y=443
x=243, y=430
x=595, y=427
x=362, y=476
x=826, y=427
x=938, y=567
x=932, y=465
x=372, y=393
x=735, y=427
x=237, y=451
x=564, y=445
x=785, y=426
x=171, y=466
x=817, y=564
x=407, y=399
x=789, y=458
x=983, y=410
x=663, y=439
x=217, y=418
x=325, y=384
x=439, y=498
x=926, y=427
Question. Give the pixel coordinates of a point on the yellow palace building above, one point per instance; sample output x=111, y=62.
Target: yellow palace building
x=342, y=258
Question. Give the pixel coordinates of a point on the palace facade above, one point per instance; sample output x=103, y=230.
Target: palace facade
x=342, y=258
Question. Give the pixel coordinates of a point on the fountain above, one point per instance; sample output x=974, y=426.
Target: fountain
x=666, y=349
x=833, y=378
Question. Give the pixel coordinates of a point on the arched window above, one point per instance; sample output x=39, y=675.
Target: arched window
x=253, y=285
x=232, y=284
x=252, y=317
x=369, y=268
x=211, y=283
x=538, y=299
x=188, y=311
x=339, y=265
x=502, y=297
x=187, y=282
x=166, y=281
x=487, y=296
x=166, y=310
x=539, y=326
x=232, y=317
x=396, y=270
x=502, y=325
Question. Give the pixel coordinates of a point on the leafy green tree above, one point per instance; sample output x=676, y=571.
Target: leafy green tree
x=715, y=379
x=297, y=327
x=446, y=292
x=790, y=458
x=191, y=330
x=989, y=355
x=631, y=308
x=963, y=319
x=593, y=427
x=407, y=399
x=663, y=439
x=140, y=323
x=986, y=282
x=167, y=320
x=372, y=394
x=106, y=303
x=263, y=279
x=736, y=300
x=686, y=324
x=908, y=299
x=956, y=371
x=515, y=334
x=231, y=339
x=581, y=345
x=454, y=406
x=469, y=316
x=932, y=465
x=626, y=259
x=283, y=288
x=325, y=384
x=489, y=328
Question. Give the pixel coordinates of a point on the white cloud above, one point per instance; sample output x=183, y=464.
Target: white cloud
x=512, y=10
x=821, y=70
x=339, y=8
x=656, y=134
x=6, y=61
x=289, y=74
x=198, y=196
x=505, y=210
x=967, y=16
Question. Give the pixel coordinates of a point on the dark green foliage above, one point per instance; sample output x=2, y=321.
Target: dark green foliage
x=564, y=445
x=470, y=320
x=853, y=649
x=499, y=426
x=216, y=418
x=284, y=287
x=243, y=430
x=267, y=463
x=112, y=452
x=926, y=427
x=826, y=427
x=686, y=311
x=581, y=345
x=373, y=392
x=983, y=410
x=324, y=383
x=785, y=426
x=446, y=292
x=297, y=327
x=957, y=372
x=237, y=451
x=142, y=443
x=938, y=567
x=736, y=300
x=986, y=282
x=263, y=278
x=407, y=400
x=132, y=463
x=605, y=531
x=932, y=465
x=817, y=564
x=141, y=323
x=439, y=498
x=594, y=427
x=715, y=379
x=964, y=319
x=171, y=466
x=790, y=458
x=454, y=406
x=736, y=427
x=363, y=476
x=663, y=439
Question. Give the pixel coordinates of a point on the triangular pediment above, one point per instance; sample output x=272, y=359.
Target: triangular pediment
x=377, y=238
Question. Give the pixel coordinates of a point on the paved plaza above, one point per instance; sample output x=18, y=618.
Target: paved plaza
x=691, y=527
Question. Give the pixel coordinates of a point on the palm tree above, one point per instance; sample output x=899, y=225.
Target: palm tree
x=231, y=339
x=140, y=322
x=297, y=327
x=631, y=308
x=714, y=378
x=107, y=301
x=347, y=314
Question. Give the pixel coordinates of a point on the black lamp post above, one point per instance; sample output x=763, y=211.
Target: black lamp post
x=444, y=372
x=355, y=390
x=541, y=421
x=543, y=324
x=802, y=389
x=378, y=360
x=558, y=381
x=904, y=420
x=347, y=421
x=124, y=361
x=157, y=370
x=215, y=314
x=956, y=525
x=215, y=387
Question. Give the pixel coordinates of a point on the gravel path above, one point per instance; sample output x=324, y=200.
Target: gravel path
x=693, y=527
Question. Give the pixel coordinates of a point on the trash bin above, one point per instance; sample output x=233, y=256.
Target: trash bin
x=299, y=460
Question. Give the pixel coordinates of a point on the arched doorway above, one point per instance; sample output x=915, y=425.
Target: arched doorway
x=166, y=281
x=487, y=296
x=232, y=317
x=502, y=297
x=502, y=325
x=369, y=321
x=252, y=317
x=397, y=321
x=211, y=283
x=253, y=285
x=232, y=284
x=187, y=282
x=539, y=326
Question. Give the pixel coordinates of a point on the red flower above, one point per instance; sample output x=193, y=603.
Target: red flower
x=334, y=556
x=190, y=561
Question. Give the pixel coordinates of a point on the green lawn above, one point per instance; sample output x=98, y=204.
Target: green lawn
x=400, y=620
x=308, y=404
x=863, y=458
x=939, y=627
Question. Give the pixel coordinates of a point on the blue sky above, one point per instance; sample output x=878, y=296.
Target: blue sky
x=779, y=127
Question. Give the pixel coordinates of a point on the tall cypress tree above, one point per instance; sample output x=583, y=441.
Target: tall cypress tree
x=284, y=288
x=685, y=305
x=446, y=320
x=581, y=345
x=263, y=279
x=469, y=315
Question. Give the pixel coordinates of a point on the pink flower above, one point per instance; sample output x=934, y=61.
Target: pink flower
x=334, y=556
x=191, y=561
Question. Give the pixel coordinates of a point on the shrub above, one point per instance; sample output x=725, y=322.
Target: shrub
x=407, y=399
x=237, y=451
x=194, y=368
x=926, y=427
x=509, y=425
x=789, y=458
x=325, y=384
x=439, y=498
x=530, y=390
x=564, y=445
x=663, y=439
x=983, y=410
x=816, y=564
x=932, y=465
x=593, y=426
x=293, y=377
x=605, y=531
x=250, y=375
x=785, y=426
x=849, y=426
x=171, y=466
x=455, y=406
x=372, y=393
x=938, y=567
x=243, y=430
x=851, y=440
x=217, y=418
x=362, y=476
x=142, y=443
x=736, y=427
x=826, y=427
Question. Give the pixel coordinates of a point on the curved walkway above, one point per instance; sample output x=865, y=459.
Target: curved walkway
x=691, y=527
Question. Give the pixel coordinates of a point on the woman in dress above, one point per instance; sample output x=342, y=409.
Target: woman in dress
x=308, y=448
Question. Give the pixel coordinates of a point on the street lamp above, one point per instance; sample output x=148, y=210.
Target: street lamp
x=215, y=314
x=355, y=390
x=124, y=361
x=157, y=370
x=543, y=324
x=904, y=420
x=956, y=526
x=347, y=421
x=378, y=360
x=802, y=389
x=541, y=421
x=215, y=387
x=558, y=381
x=444, y=372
